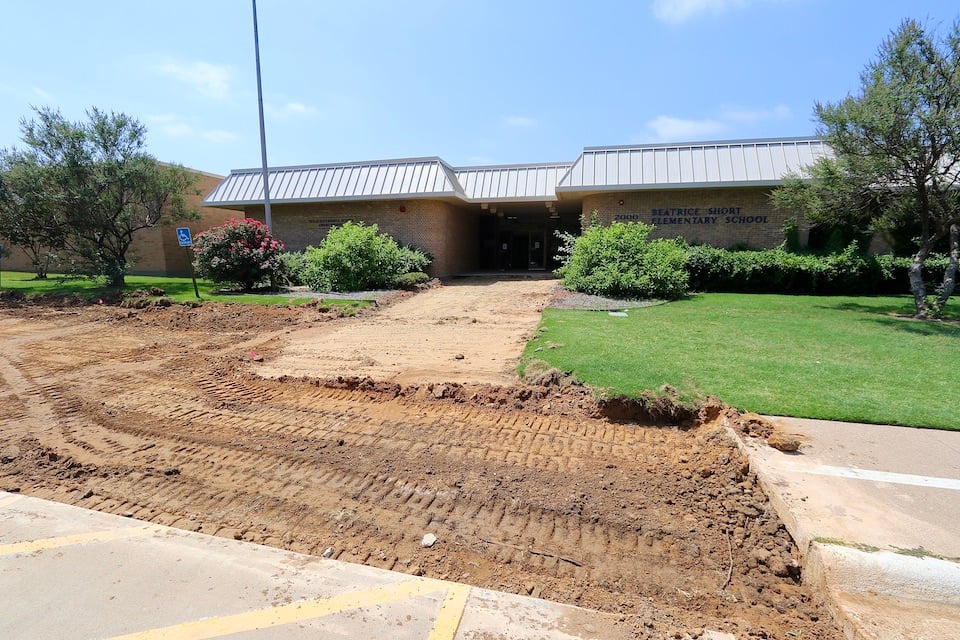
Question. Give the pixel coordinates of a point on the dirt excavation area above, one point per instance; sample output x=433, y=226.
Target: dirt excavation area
x=249, y=423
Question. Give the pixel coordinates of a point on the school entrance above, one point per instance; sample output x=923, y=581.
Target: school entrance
x=522, y=237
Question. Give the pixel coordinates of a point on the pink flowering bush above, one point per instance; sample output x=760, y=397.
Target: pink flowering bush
x=241, y=252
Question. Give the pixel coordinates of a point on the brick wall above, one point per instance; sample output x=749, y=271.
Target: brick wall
x=447, y=231
x=720, y=217
x=157, y=250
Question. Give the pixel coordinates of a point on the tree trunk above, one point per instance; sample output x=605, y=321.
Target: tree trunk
x=950, y=275
x=917, y=287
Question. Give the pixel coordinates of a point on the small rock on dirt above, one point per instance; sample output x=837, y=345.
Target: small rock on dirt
x=783, y=441
x=428, y=541
x=328, y=552
x=709, y=634
x=9, y=454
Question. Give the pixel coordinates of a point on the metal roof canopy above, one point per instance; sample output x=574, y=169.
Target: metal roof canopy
x=409, y=177
x=758, y=162
x=512, y=183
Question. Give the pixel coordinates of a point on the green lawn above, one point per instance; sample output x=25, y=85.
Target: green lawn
x=852, y=359
x=178, y=289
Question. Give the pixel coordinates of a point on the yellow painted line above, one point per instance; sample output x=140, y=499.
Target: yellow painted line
x=451, y=611
x=9, y=500
x=289, y=613
x=77, y=538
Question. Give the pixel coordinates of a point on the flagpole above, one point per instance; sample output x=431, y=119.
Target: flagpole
x=263, y=135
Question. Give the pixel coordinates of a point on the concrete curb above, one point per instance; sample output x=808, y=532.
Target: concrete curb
x=872, y=595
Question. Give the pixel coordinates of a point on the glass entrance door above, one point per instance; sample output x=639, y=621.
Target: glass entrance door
x=537, y=254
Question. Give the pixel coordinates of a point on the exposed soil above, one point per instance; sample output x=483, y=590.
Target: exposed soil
x=162, y=414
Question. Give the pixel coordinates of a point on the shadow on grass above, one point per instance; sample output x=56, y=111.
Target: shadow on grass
x=900, y=317
x=949, y=328
x=905, y=309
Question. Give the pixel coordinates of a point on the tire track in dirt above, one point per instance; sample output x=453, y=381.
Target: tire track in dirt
x=526, y=491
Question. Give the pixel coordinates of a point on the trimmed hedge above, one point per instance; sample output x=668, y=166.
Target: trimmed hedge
x=780, y=271
x=410, y=280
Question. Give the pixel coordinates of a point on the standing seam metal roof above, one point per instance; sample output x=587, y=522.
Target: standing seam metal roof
x=705, y=164
x=734, y=163
x=413, y=177
x=512, y=182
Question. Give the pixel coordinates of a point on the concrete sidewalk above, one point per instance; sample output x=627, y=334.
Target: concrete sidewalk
x=68, y=573
x=876, y=511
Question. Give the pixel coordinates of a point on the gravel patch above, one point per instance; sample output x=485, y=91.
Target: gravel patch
x=563, y=299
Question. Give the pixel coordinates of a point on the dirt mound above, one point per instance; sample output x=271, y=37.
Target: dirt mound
x=14, y=298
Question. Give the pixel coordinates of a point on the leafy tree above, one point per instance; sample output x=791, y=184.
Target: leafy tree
x=100, y=187
x=239, y=251
x=27, y=216
x=897, y=153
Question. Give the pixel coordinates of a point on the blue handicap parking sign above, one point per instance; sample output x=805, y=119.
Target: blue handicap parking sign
x=183, y=237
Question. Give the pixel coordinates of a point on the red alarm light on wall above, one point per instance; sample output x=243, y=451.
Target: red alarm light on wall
x=620, y=203
x=403, y=209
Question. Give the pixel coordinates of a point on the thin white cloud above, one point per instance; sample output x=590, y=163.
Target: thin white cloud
x=288, y=110
x=209, y=80
x=678, y=11
x=169, y=125
x=667, y=128
x=670, y=129
x=520, y=121
x=40, y=93
x=750, y=116
x=218, y=136
x=172, y=126
x=30, y=94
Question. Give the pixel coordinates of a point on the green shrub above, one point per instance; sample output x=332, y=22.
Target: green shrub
x=411, y=280
x=354, y=257
x=619, y=261
x=239, y=252
x=413, y=260
x=294, y=264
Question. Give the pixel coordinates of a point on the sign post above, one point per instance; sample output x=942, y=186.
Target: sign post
x=186, y=241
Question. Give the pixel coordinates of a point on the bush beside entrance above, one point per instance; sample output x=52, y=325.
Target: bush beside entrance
x=355, y=257
x=619, y=261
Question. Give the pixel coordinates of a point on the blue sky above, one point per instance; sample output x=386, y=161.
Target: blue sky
x=482, y=82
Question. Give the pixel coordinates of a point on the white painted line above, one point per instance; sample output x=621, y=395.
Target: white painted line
x=886, y=476
x=8, y=499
